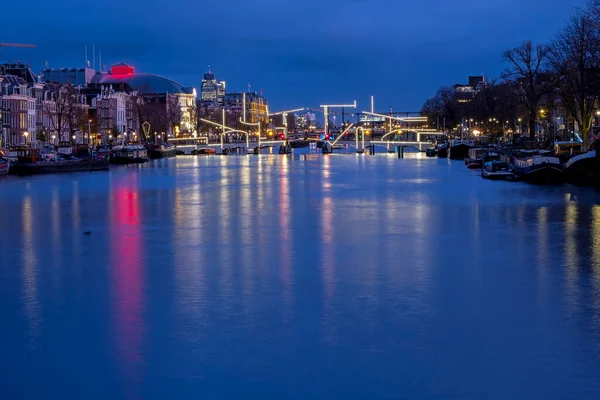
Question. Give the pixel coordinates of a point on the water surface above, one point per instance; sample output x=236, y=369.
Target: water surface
x=297, y=277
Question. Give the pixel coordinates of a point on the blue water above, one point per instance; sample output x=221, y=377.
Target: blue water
x=317, y=277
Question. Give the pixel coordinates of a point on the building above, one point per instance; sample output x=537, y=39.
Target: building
x=212, y=90
x=64, y=113
x=257, y=108
x=112, y=117
x=73, y=76
x=165, y=104
x=35, y=90
x=305, y=121
x=18, y=111
x=466, y=93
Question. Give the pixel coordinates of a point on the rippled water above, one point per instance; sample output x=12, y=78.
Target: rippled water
x=301, y=277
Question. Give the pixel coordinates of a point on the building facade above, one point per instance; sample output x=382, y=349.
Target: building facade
x=18, y=111
x=256, y=106
x=466, y=93
x=165, y=104
x=212, y=90
x=73, y=76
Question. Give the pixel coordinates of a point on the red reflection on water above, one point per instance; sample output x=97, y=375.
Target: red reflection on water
x=127, y=277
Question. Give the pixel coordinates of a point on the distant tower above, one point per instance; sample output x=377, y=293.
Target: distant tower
x=212, y=90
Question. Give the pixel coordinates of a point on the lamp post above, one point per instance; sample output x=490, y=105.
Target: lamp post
x=223, y=127
x=89, y=131
x=25, y=134
x=248, y=136
x=53, y=139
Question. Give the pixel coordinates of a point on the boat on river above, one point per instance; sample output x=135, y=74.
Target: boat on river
x=4, y=165
x=30, y=162
x=163, y=150
x=129, y=154
x=540, y=170
x=497, y=171
x=430, y=151
x=475, y=158
x=203, y=151
x=442, y=150
x=580, y=169
x=458, y=149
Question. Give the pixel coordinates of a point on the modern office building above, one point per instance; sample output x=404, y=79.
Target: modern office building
x=211, y=89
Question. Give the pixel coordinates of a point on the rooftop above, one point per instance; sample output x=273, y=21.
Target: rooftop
x=140, y=81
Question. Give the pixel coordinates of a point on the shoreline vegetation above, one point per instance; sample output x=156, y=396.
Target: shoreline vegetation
x=547, y=91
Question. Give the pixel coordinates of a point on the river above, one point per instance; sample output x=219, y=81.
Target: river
x=297, y=277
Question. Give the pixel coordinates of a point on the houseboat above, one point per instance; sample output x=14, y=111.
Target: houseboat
x=129, y=154
x=581, y=169
x=497, y=171
x=458, y=149
x=164, y=150
x=30, y=162
x=539, y=170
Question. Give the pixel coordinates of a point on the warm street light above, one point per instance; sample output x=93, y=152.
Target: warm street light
x=25, y=134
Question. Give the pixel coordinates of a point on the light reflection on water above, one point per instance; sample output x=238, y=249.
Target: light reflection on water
x=299, y=277
x=128, y=280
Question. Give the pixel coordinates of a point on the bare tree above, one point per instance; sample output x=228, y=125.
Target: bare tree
x=575, y=59
x=528, y=71
x=56, y=107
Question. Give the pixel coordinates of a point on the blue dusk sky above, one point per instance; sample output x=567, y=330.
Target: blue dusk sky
x=300, y=53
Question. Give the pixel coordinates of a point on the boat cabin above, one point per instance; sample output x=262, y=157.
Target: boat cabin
x=28, y=155
x=567, y=148
x=477, y=154
x=496, y=166
x=65, y=148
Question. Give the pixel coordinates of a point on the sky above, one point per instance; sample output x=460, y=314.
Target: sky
x=301, y=54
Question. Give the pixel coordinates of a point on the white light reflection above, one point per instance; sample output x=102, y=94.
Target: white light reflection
x=328, y=272
x=286, y=240
x=226, y=214
x=29, y=271
x=191, y=257
x=595, y=260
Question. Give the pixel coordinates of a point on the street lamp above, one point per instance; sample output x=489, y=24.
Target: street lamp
x=25, y=134
x=53, y=138
x=248, y=136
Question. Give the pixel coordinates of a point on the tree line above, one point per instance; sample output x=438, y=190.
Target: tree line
x=539, y=82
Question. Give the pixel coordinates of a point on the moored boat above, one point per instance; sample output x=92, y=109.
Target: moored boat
x=580, y=169
x=497, y=171
x=4, y=165
x=459, y=149
x=475, y=158
x=430, y=151
x=163, y=150
x=540, y=170
x=564, y=150
x=29, y=162
x=442, y=150
x=204, y=151
x=130, y=154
